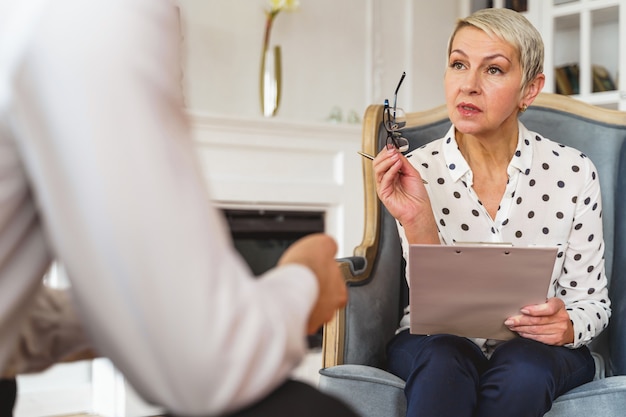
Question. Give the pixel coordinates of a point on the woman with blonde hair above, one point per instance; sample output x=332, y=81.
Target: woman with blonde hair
x=492, y=180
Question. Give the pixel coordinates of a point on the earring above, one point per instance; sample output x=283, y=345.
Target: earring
x=524, y=107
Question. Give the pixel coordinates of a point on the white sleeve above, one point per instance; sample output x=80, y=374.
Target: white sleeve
x=108, y=151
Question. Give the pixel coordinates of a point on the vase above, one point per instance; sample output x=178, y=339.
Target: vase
x=270, y=82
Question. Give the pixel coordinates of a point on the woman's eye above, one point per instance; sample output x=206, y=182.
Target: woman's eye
x=494, y=70
x=457, y=65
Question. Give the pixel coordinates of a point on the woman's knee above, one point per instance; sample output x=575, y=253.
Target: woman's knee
x=527, y=362
x=443, y=353
x=446, y=348
x=537, y=366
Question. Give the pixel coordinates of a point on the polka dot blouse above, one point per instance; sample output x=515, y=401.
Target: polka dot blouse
x=552, y=198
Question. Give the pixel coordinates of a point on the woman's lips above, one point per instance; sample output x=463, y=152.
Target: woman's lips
x=467, y=109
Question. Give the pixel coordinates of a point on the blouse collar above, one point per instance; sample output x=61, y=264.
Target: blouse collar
x=459, y=168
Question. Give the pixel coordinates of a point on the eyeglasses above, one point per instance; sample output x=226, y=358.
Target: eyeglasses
x=394, y=119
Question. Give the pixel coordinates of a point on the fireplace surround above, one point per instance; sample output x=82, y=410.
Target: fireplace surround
x=261, y=236
x=276, y=165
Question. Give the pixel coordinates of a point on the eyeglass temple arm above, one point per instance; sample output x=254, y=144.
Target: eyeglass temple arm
x=395, y=94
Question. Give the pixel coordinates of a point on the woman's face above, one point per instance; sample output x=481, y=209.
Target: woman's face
x=482, y=83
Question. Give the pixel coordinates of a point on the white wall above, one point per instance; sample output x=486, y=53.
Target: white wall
x=346, y=53
x=323, y=56
x=433, y=23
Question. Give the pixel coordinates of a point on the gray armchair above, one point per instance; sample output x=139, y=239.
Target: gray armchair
x=354, y=342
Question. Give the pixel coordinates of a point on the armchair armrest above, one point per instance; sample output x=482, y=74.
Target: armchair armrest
x=334, y=330
x=375, y=293
x=352, y=266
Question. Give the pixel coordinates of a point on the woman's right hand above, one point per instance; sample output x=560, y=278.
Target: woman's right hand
x=399, y=185
x=401, y=189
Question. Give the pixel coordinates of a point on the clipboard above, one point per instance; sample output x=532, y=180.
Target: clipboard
x=470, y=289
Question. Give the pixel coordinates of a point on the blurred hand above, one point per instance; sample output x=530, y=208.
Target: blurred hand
x=51, y=333
x=548, y=323
x=317, y=252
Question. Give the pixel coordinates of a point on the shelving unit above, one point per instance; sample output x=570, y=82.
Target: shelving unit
x=587, y=34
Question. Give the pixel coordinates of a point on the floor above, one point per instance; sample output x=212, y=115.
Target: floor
x=307, y=372
x=308, y=369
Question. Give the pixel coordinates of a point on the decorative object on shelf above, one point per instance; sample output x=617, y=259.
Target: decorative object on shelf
x=353, y=117
x=602, y=80
x=517, y=5
x=335, y=115
x=567, y=81
x=271, y=62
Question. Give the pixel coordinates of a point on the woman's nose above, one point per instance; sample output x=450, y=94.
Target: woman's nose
x=471, y=82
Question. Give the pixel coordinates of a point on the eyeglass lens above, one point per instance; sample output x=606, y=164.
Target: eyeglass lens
x=394, y=120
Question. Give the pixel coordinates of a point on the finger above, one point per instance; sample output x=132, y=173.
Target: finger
x=545, y=327
x=535, y=310
x=548, y=339
x=518, y=322
x=537, y=338
x=393, y=171
x=388, y=178
x=388, y=157
x=551, y=306
x=523, y=320
x=383, y=164
x=532, y=329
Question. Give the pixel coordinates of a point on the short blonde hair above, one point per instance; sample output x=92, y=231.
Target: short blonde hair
x=513, y=28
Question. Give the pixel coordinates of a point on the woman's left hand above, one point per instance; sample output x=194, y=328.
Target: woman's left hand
x=548, y=323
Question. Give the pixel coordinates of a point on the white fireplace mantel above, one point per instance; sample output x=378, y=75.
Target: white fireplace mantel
x=270, y=163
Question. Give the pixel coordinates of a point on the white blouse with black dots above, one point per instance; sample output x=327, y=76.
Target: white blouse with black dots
x=552, y=198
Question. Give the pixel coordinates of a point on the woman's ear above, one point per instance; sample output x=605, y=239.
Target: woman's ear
x=532, y=90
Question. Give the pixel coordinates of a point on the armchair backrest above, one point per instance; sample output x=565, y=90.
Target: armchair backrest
x=378, y=289
x=600, y=134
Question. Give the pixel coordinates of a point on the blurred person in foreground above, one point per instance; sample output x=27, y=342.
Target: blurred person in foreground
x=98, y=171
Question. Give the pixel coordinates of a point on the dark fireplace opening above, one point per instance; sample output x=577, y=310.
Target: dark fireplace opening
x=262, y=236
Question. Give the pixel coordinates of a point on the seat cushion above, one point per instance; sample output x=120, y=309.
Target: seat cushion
x=603, y=397
x=372, y=392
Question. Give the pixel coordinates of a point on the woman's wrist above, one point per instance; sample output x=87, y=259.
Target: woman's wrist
x=422, y=229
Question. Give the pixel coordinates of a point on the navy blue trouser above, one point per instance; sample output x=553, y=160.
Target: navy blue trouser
x=449, y=376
